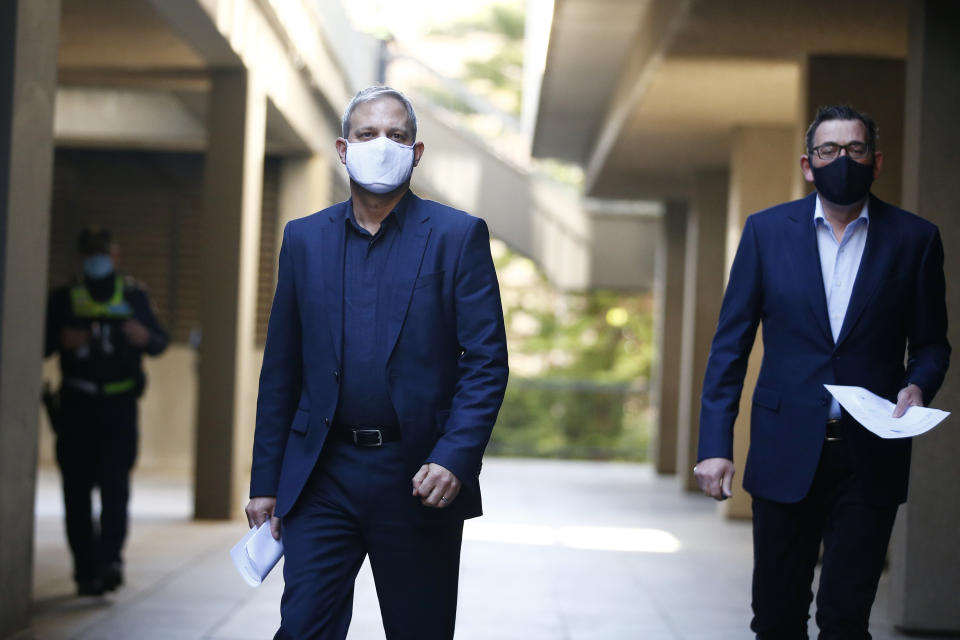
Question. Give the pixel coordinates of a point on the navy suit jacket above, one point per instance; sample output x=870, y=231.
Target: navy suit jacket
x=897, y=308
x=446, y=349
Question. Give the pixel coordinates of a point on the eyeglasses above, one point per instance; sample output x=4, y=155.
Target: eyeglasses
x=830, y=150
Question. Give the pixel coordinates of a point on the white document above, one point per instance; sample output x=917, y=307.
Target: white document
x=876, y=413
x=256, y=554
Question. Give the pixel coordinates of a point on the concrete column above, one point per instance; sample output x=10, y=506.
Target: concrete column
x=28, y=69
x=668, y=305
x=305, y=187
x=872, y=85
x=924, y=555
x=231, y=227
x=702, y=294
x=762, y=166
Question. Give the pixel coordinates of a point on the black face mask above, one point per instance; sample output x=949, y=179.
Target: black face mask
x=843, y=181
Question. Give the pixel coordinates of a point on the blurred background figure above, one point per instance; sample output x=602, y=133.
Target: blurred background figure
x=101, y=325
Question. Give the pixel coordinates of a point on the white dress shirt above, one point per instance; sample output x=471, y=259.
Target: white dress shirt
x=839, y=263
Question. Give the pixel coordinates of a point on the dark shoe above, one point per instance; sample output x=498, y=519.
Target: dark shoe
x=111, y=576
x=91, y=587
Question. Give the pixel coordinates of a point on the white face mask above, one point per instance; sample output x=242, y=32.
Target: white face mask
x=379, y=165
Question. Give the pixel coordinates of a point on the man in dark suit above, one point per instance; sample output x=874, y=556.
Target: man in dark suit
x=846, y=286
x=384, y=369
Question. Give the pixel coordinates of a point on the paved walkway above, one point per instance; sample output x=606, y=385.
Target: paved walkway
x=567, y=551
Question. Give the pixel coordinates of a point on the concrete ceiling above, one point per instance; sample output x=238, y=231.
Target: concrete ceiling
x=589, y=42
x=120, y=35
x=791, y=30
x=109, y=47
x=716, y=65
x=691, y=106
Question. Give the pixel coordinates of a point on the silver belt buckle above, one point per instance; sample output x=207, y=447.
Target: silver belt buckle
x=87, y=387
x=378, y=443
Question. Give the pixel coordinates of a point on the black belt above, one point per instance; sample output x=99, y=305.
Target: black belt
x=834, y=431
x=361, y=436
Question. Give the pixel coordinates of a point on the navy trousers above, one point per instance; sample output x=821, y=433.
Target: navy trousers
x=786, y=544
x=96, y=447
x=358, y=502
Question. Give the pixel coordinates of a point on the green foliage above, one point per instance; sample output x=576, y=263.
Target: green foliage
x=499, y=77
x=446, y=99
x=503, y=70
x=580, y=364
x=506, y=19
x=585, y=422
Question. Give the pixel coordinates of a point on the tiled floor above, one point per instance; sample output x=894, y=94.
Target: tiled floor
x=566, y=551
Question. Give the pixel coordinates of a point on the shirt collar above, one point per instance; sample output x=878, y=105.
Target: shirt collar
x=397, y=214
x=819, y=218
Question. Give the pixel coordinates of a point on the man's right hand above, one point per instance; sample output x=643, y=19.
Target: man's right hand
x=72, y=339
x=259, y=510
x=715, y=477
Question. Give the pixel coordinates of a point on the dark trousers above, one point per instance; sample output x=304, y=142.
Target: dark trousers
x=786, y=543
x=358, y=502
x=96, y=447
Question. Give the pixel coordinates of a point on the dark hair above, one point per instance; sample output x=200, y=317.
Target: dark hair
x=93, y=240
x=843, y=112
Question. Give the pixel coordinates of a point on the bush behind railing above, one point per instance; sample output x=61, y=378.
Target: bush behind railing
x=581, y=420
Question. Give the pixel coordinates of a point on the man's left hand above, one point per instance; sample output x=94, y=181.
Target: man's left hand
x=137, y=334
x=909, y=396
x=436, y=486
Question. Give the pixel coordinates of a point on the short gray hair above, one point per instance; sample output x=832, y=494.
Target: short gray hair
x=375, y=93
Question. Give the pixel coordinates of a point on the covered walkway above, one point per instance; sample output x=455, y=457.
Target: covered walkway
x=566, y=551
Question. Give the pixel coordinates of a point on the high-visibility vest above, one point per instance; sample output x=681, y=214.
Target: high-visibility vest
x=84, y=306
x=115, y=308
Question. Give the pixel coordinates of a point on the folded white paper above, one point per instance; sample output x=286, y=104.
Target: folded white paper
x=876, y=413
x=256, y=554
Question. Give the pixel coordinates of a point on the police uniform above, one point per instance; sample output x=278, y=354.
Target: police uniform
x=96, y=424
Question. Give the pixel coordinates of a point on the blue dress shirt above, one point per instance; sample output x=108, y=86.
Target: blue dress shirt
x=839, y=264
x=364, y=395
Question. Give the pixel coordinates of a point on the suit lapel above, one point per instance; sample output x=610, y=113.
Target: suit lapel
x=810, y=273
x=877, y=252
x=403, y=267
x=331, y=263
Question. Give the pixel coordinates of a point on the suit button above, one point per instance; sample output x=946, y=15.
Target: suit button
x=336, y=376
x=326, y=421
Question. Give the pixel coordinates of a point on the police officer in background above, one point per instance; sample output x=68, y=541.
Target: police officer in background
x=101, y=326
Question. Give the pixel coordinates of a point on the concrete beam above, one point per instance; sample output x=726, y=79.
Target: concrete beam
x=124, y=118
x=255, y=35
x=156, y=118
x=624, y=249
x=660, y=25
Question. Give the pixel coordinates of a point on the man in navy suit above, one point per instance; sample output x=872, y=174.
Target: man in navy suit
x=850, y=291
x=383, y=372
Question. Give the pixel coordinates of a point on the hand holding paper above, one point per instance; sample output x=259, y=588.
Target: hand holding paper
x=876, y=413
x=256, y=554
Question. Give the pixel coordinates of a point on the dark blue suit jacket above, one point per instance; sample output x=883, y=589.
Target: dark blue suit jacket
x=897, y=308
x=446, y=359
